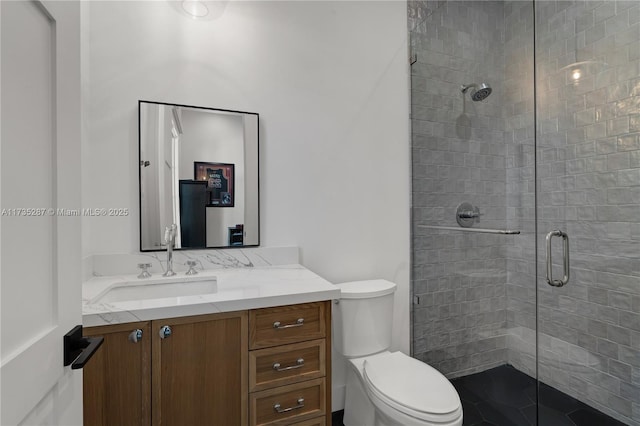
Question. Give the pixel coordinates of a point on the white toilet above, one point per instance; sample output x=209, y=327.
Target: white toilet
x=386, y=388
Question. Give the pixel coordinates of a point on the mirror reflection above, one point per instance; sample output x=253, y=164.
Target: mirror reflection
x=198, y=170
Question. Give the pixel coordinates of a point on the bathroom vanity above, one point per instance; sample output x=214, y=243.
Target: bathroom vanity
x=255, y=349
x=239, y=344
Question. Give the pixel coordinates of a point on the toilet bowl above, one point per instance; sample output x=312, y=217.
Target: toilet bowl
x=386, y=388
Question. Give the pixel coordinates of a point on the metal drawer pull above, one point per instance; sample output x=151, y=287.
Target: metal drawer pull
x=565, y=253
x=299, y=363
x=298, y=323
x=278, y=408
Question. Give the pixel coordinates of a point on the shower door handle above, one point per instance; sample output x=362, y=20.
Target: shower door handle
x=565, y=254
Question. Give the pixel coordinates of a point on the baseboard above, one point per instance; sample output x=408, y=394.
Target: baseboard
x=337, y=397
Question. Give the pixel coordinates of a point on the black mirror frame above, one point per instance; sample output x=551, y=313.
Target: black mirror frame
x=142, y=250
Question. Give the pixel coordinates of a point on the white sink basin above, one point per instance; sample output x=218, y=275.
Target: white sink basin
x=158, y=289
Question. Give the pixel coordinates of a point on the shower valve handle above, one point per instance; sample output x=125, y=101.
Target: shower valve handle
x=467, y=214
x=470, y=214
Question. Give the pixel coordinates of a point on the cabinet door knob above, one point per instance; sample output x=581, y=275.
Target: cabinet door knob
x=135, y=336
x=165, y=331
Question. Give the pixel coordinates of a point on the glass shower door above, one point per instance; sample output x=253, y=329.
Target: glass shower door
x=588, y=211
x=474, y=239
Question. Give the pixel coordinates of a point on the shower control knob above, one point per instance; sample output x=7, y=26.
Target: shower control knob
x=467, y=214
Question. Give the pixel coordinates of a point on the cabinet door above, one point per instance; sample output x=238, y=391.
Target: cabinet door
x=200, y=370
x=117, y=381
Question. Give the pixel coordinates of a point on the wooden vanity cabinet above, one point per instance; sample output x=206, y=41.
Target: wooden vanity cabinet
x=201, y=370
x=117, y=380
x=290, y=365
x=181, y=371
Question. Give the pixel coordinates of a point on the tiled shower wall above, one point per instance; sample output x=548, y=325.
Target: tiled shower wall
x=588, y=185
x=459, y=325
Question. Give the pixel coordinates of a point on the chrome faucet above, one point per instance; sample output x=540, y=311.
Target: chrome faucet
x=170, y=241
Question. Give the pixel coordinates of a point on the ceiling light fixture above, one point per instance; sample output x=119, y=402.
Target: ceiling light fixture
x=199, y=10
x=195, y=8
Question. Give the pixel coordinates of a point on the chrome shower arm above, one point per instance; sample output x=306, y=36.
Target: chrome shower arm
x=466, y=87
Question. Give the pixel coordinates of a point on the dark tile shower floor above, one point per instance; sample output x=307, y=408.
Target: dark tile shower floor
x=503, y=396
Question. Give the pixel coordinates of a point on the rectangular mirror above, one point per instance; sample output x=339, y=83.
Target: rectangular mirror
x=199, y=170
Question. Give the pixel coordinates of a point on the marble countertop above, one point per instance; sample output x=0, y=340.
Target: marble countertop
x=236, y=289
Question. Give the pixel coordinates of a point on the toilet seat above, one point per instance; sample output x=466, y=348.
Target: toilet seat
x=411, y=387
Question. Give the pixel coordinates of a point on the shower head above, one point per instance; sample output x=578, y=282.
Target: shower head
x=478, y=92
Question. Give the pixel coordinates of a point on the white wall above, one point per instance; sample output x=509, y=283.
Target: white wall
x=330, y=82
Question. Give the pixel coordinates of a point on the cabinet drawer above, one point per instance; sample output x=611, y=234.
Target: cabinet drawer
x=286, y=324
x=318, y=421
x=288, y=404
x=283, y=365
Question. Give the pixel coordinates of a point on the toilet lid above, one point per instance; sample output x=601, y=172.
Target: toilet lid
x=366, y=289
x=411, y=386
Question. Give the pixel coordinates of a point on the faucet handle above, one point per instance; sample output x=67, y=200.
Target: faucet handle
x=144, y=267
x=192, y=267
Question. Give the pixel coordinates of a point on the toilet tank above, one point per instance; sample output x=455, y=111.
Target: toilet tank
x=363, y=318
